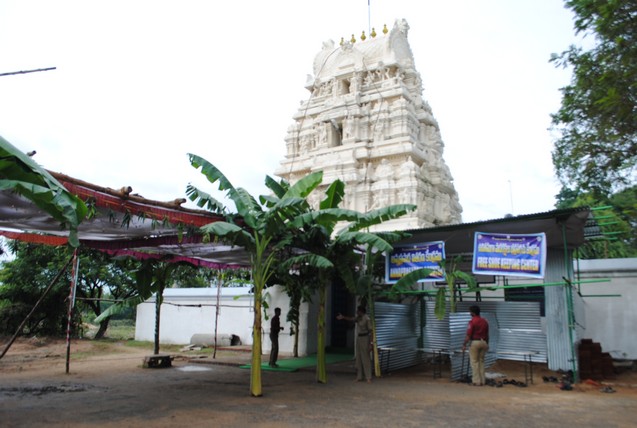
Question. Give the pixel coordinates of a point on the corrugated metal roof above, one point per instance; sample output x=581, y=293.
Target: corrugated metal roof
x=578, y=227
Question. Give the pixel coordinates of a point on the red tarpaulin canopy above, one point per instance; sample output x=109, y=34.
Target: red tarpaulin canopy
x=123, y=224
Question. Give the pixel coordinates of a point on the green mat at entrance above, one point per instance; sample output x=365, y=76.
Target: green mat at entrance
x=293, y=364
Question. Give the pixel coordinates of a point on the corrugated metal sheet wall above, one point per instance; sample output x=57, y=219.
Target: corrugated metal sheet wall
x=460, y=365
x=399, y=332
x=515, y=329
x=560, y=347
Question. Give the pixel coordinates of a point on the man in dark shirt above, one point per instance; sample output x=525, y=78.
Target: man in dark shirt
x=478, y=335
x=275, y=328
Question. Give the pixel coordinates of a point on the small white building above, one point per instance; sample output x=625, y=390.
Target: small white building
x=609, y=306
x=186, y=312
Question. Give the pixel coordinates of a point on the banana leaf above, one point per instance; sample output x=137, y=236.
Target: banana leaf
x=278, y=188
x=204, y=199
x=440, y=308
x=333, y=195
x=381, y=215
x=406, y=282
x=303, y=187
x=370, y=239
x=21, y=174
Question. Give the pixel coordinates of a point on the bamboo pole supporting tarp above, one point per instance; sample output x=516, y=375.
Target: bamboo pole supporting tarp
x=72, y=288
x=219, y=284
x=46, y=291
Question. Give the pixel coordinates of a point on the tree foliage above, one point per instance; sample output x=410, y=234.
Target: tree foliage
x=23, y=281
x=102, y=278
x=616, y=217
x=596, y=148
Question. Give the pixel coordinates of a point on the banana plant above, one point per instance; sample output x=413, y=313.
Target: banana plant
x=452, y=276
x=338, y=248
x=285, y=219
x=264, y=231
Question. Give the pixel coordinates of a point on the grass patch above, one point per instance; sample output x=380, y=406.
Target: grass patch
x=117, y=330
x=150, y=346
x=98, y=347
x=121, y=329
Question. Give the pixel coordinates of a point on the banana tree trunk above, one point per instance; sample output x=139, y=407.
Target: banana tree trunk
x=372, y=313
x=296, y=338
x=321, y=371
x=255, y=368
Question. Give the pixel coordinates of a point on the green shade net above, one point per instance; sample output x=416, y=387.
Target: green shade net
x=294, y=364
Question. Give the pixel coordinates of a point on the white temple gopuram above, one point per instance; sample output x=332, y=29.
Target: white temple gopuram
x=367, y=124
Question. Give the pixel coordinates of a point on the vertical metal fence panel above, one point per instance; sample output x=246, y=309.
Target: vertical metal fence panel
x=436, y=331
x=560, y=345
x=398, y=331
x=519, y=329
x=458, y=323
x=515, y=330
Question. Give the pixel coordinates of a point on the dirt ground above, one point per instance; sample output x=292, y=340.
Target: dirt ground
x=108, y=387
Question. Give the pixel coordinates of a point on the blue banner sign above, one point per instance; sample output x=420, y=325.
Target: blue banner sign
x=404, y=260
x=509, y=254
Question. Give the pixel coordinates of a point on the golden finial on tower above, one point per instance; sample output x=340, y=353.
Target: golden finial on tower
x=342, y=41
x=385, y=30
x=353, y=40
x=373, y=33
x=363, y=37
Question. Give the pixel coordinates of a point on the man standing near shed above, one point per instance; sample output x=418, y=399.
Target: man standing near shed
x=478, y=335
x=363, y=343
x=275, y=328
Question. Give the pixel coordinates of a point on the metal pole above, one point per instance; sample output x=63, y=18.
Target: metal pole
x=570, y=308
x=219, y=283
x=74, y=273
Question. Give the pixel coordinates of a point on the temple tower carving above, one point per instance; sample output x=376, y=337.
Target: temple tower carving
x=367, y=124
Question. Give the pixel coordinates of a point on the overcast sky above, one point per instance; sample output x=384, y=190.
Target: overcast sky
x=139, y=84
